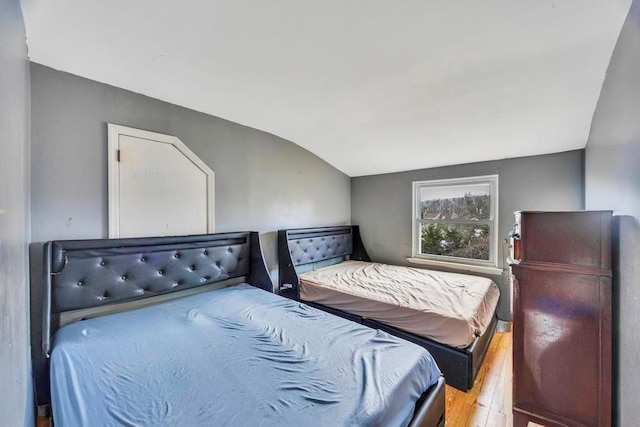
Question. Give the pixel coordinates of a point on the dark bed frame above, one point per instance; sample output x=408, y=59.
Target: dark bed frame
x=297, y=247
x=90, y=277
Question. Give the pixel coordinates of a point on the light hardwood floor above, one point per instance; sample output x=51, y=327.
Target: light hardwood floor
x=488, y=403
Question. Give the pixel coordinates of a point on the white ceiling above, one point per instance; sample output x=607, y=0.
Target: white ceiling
x=371, y=86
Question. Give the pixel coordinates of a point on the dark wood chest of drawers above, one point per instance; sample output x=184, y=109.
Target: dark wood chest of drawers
x=562, y=319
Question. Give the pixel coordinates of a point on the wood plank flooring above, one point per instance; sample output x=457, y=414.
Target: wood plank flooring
x=488, y=403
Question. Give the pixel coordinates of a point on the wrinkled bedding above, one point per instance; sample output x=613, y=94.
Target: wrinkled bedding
x=448, y=308
x=238, y=356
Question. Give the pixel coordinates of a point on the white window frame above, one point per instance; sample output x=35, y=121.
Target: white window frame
x=492, y=222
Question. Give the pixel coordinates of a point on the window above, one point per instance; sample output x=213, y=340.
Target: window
x=456, y=220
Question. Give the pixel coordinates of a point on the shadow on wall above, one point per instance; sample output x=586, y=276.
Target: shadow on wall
x=269, y=243
x=626, y=267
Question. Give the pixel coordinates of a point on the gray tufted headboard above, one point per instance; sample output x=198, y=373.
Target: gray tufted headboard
x=82, y=274
x=302, y=246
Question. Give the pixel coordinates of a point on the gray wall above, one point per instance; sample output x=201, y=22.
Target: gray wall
x=381, y=204
x=15, y=397
x=612, y=174
x=263, y=182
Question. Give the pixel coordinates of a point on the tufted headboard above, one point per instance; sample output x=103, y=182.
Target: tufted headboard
x=302, y=246
x=86, y=274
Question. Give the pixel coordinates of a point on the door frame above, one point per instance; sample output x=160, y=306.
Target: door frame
x=114, y=131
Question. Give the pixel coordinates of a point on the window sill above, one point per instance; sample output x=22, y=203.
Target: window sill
x=457, y=266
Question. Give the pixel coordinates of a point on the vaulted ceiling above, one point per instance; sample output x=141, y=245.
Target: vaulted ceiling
x=370, y=86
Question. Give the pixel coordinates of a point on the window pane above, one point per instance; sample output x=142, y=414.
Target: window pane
x=465, y=202
x=463, y=240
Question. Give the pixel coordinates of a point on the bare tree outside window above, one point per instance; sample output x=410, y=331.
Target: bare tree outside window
x=456, y=218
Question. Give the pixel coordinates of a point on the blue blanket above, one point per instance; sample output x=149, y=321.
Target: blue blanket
x=238, y=356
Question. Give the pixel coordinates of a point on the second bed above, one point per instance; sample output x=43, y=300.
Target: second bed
x=452, y=315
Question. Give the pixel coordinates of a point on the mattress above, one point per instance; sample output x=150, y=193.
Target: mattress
x=237, y=356
x=449, y=308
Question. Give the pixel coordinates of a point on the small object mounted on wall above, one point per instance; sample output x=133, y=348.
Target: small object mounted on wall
x=514, y=244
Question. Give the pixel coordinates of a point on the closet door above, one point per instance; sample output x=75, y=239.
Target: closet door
x=157, y=186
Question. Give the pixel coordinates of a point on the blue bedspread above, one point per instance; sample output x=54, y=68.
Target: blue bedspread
x=238, y=356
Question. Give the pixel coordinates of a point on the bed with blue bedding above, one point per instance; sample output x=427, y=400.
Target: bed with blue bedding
x=231, y=356
x=211, y=358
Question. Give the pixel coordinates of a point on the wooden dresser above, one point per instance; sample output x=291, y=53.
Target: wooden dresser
x=562, y=319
